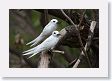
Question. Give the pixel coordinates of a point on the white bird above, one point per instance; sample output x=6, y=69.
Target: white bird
x=49, y=43
x=47, y=31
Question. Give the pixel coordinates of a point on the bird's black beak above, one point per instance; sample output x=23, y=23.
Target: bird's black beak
x=58, y=34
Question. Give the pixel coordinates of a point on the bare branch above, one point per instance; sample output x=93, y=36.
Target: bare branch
x=44, y=60
x=90, y=36
x=69, y=19
x=81, y=19
x=46, y=16
x=57, y=51
x=78, y=34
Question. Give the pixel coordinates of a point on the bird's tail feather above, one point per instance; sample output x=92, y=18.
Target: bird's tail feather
x=29, y=50
x=33, y=50
x=31, y=42
x=32, y=55
x=35, y=41
x=28, y=53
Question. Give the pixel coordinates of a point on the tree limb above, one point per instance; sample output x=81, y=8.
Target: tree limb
x=44, y=60
x=78, y=34
x=90, y=36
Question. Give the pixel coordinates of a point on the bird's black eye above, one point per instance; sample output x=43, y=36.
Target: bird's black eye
x=53, y=21
x=54, y=33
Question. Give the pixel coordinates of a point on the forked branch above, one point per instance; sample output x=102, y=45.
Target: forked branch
x=88, y=43
x=78, y=33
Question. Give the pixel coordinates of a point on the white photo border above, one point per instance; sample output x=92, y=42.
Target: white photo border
x=102, y=71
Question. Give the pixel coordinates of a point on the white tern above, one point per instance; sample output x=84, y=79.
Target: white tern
x=47, y=31
x=46, y=45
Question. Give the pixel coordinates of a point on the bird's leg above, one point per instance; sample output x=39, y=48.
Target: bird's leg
x=51, y=54
x=49, y=51
x=52, y=51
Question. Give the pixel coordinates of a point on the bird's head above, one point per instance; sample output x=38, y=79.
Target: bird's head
x=56, y=33
x=55, y=21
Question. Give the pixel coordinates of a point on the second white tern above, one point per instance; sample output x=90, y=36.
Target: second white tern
x=47, y=31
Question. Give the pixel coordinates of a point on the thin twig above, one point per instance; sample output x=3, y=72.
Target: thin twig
x=46, y=16
x=68, y=18
x=79, y=31
x=81, y=19
x=73, y=61
x=90, y=36
x=78, y=34
x=77, y=63
x=57, y=51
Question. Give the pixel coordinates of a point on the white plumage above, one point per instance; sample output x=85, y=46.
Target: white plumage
x=49, y=43
x=47, y=31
